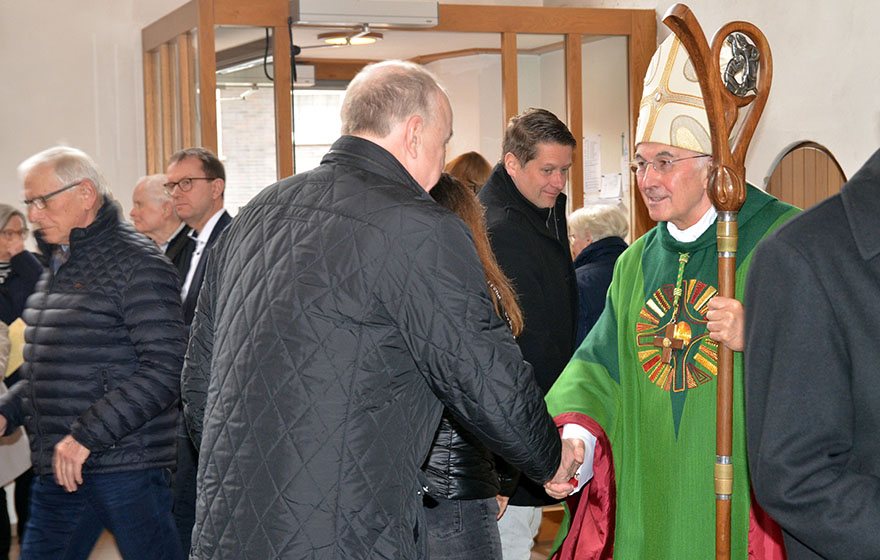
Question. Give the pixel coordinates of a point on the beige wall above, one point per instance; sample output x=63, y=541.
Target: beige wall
x=72, y=73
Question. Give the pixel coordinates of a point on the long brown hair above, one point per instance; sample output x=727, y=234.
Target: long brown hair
x=451, y=194
x=471, y=169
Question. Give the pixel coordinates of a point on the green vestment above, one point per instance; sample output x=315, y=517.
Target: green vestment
x=660, y=418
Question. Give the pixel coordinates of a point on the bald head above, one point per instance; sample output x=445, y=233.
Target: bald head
x=152, y=210
x=401, y=107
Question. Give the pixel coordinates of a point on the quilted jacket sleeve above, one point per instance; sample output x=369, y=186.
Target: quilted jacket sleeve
x=197, y=366
x=467, y=354
x=150, y=309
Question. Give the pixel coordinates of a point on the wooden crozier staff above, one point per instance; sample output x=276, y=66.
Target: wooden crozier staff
x=743, y=84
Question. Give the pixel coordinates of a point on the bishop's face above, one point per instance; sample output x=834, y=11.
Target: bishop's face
x=677, y=191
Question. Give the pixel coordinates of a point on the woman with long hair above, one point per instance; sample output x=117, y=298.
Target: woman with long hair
x=467, y=493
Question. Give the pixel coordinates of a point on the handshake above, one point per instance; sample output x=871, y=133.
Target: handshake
x=564, y=482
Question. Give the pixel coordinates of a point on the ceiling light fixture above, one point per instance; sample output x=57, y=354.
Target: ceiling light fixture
x=364, y=36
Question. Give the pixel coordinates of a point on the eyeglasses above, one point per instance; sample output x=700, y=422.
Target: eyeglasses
x=40, y=201
x=10, y=234
x=661, y=165
x=185, y=184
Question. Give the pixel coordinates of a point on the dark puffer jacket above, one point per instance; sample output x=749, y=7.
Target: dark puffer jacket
x=103, y=355
x=341, y=310
x=531, y=245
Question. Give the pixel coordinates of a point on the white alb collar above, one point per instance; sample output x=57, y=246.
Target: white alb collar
x=694, y=232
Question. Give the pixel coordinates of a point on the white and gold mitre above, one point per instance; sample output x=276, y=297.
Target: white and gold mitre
x=672, y=110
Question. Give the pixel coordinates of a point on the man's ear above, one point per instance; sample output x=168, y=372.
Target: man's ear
x=167, y=209
x=217, y=187
x=87, y=194
x=415, y=128
x=511, y=163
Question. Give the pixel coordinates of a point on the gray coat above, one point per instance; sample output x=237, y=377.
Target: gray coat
x=341, y=311
x=812, y=382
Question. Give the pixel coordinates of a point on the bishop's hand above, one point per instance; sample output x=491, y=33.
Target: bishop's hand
x=726, y=322
x=561, y=485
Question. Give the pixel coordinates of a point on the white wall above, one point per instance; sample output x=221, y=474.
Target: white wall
x=474, y=87
x=73, y=75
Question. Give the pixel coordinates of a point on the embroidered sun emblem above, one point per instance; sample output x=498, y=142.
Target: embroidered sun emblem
x=677, y=356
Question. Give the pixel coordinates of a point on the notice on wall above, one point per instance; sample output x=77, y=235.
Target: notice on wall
x=592, y=165
x=611, y=186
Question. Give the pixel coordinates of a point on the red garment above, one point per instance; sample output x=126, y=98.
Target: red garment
x=591, y=533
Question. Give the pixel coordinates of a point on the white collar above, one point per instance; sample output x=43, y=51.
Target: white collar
x=694, y=232
x=203, y=236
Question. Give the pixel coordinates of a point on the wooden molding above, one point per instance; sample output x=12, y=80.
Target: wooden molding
x=338, y=69
x=167, y=28
x=151, y=117
x=283, y=107
x=575, y=110
x=534, y=19
x=509, y=78
x=166, y=89
x=259, y=13
x=428, y=58
x=186, y=89
x=641, y=48
x=207, y=76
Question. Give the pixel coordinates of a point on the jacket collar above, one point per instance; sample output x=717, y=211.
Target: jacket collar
x=548, y=221
x=861, y=202
x=109, y=215
x=370, y=157
x=606, y=247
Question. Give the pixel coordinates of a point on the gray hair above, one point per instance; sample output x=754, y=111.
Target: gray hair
x=386, y=93
x=600, y=220
x=154, y=186
x=7, y=212
x=69, y=164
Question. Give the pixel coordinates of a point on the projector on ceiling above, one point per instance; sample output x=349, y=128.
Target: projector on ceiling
x=375, y=13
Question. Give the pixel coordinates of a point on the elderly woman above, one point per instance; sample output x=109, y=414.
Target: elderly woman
x=596, y=235
x=19, y=272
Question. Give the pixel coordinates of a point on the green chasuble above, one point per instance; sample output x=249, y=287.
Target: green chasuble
x=660, y=418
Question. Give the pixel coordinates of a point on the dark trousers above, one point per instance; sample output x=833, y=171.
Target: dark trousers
x=462, y=529
x=134, y=506
x=184, y=490
x=22, y=507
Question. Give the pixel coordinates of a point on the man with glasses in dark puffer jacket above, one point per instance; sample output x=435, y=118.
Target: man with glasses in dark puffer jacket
x=105, y=342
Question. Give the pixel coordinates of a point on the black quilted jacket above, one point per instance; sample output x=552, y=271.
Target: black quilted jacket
x=103, y=355
x=341, y=311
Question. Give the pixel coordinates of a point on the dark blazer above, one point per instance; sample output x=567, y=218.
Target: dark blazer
x=179, y=251
x=192, y=295
x=812, y=385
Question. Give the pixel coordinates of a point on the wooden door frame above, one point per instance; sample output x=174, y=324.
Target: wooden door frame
x=639, y=26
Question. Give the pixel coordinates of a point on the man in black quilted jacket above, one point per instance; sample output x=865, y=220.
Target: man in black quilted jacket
x=341, y=310
x=101, y=374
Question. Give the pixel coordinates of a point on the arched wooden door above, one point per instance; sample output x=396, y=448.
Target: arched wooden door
x=805, y=173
